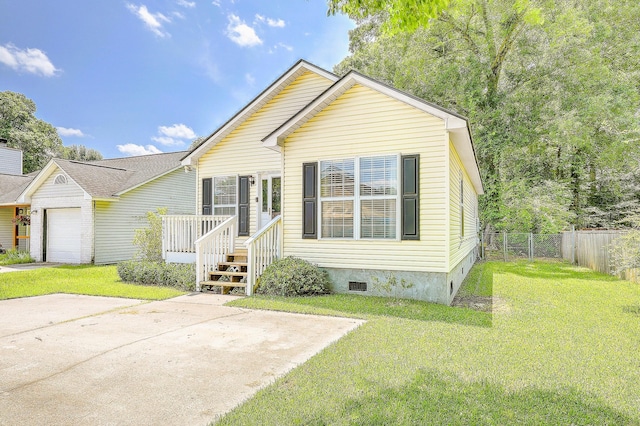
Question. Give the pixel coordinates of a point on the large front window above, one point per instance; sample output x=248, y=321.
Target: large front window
x=364, y=188
x=224, y=195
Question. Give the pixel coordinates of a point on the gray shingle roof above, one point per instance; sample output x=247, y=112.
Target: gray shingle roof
x=108, y=178
x=11, y=186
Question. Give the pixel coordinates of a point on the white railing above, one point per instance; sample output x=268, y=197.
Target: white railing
x=263, y=248
x=212, y=247
x=180, y=232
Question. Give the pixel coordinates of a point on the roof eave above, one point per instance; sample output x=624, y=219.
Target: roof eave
x=301, y=66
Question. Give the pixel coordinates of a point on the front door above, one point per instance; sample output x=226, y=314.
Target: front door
x=271, y=196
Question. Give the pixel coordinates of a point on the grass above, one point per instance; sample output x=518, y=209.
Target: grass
x=14, y=257
x=557, y=345
x=85, y=279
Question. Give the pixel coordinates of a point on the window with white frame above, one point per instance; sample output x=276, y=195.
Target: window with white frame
x=337, y=196
x=224, y=195
x=371, y=211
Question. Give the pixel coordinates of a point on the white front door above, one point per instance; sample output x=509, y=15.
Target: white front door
x=271, y=187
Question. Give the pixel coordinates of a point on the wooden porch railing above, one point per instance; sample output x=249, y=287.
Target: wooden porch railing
x=180, y=232
x=263, y=248
x=212, y=247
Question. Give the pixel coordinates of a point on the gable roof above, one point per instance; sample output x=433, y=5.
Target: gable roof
x=11, y=186
x=258, y=102
x=457, y=125
x=108, y=179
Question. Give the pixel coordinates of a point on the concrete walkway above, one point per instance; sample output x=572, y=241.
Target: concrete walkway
x=82, y=360
x=26, y=267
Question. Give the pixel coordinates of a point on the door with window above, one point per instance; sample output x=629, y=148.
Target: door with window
x=271, y=187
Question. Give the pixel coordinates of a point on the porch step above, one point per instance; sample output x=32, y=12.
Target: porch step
x=237, y=256
x=225, y=286
x=241, y=265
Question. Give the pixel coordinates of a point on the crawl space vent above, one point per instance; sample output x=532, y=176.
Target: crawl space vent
x=357, y=286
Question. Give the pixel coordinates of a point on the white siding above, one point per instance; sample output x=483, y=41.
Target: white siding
x=242, y=153
x=460, y=246
x=6, y=227
x=365, y=122
x=10, y=161
x=51, y=196
x=116, y=221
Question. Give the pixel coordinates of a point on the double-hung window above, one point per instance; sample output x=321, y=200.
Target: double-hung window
x=337, y=195
x=225, y=195
x=359, y=197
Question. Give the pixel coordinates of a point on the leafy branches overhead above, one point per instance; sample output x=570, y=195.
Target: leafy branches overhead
x=404, y=15
x=551, y=90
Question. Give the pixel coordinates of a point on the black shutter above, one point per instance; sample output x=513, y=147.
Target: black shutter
x=243, y=206
x=206, y=196
x=309, y=200
x=411, y=197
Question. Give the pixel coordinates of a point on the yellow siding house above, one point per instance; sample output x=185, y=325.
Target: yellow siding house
x=370, y=183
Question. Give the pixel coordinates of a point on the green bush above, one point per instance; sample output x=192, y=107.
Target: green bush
x=178, y=275
x=14, y=257
x=293, y=277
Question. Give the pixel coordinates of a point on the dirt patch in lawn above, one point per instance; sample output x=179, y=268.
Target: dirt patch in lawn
x=482, y=303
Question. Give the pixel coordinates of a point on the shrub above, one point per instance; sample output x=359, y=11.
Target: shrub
x=293, y=277
x=13, y=257
x=178, y=275
x=149, y=239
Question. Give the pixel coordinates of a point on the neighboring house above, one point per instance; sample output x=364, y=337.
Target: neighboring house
x=84, y=212
x=366, y=181
x=13, y=235
x=12, y=182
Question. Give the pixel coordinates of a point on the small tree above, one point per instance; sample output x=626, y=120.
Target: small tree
x=625, y=250
x=149, y=239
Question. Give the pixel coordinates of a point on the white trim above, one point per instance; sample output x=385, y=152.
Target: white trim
x=269, y=93
x=41, y=177
x=357, y=198
x=458, y=126
x=213, y=195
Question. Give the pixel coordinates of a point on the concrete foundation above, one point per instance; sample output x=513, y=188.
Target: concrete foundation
x=437, y=287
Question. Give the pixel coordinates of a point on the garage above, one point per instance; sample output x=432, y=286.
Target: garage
x=63, y=235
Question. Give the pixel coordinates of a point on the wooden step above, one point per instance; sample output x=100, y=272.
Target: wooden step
x=228, y=273
x=238, y=264
x=225, y=286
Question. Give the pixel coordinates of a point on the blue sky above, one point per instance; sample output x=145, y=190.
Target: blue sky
x=136, y=77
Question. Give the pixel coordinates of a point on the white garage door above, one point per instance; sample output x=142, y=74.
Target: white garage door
x=63, y=235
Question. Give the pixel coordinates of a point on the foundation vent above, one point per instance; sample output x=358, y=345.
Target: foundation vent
x=357, y=286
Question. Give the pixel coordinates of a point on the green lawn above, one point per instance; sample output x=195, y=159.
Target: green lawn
x=90, y=280
x=555, y=345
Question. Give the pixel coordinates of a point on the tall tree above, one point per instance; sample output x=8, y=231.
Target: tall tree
x=38, y=140
x=80, y=153
x=551, y=90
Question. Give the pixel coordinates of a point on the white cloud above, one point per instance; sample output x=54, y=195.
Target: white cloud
x=33, y=61
x=251, y=80
x=286, y=47
x=179, y=131
x=167, y=141
x=133, y=150
x=187, y=4
x=65, y=131
x=215, y=3
x=277, y=23
x=153, y=21
x=240, y=33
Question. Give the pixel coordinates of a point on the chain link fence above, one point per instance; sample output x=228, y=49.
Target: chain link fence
x=512, y=246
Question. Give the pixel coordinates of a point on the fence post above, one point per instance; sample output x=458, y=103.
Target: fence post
x=504, y=245
x=574, y=245
x=531, y=246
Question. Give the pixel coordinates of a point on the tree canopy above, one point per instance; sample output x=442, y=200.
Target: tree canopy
x=38, y=140
x=552, y=91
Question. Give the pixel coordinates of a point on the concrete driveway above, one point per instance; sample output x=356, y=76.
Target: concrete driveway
x=69, y=359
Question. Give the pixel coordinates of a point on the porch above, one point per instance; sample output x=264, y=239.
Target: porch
x=222, y=259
